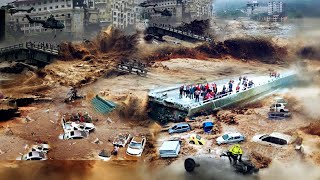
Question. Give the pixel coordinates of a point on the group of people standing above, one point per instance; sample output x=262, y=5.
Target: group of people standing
x=210, y=91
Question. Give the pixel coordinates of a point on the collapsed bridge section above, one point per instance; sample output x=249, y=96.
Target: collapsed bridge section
x=166, y=105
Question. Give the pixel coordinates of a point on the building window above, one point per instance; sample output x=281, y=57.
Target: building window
x=69, y=5
x=57, y=7
x=50, y=7
x=39, y=9
x=45, y=8
x=62, y=6
x=68, y=15
x=45, y=2
x=39, y=3
x=57, y=0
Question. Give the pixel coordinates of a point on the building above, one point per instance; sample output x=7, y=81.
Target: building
x=105, y=13
x=124, y=13
x=275, y=7
x=251, y=6
x=181, y=10
x=75, y=14
x=276, y=18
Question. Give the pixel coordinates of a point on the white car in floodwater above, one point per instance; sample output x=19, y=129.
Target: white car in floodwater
x=76, y=134
x=70, y=126
x=230, y=138
x=41, y=148
x=275, y=138
x=136, y=146
x=33, y=155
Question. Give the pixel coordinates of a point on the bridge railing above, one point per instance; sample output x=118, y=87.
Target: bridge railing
x=176, y=30
x=45, y=47
x=10, y=48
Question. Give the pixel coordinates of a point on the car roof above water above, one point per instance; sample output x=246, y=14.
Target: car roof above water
x=169, y=145
x=233, y=134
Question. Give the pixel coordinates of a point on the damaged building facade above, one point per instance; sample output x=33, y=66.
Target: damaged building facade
x=76, y=15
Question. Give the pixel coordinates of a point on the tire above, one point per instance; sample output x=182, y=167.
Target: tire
x=281, y=110
x=189, y=165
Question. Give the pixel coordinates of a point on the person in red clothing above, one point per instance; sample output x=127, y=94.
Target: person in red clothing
x=238, y=87
x=207, y=86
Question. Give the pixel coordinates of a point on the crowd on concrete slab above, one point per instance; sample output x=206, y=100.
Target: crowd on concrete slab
x=210, y=91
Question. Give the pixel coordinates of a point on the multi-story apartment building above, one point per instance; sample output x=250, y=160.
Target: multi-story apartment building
x=75, y=14
x=124, y=13
x=181, y=10
x=275, y=7
x=105, y=12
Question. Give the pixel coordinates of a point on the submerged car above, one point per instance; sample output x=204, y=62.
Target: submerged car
x=170, y=149
x=136, y=146
x=274, y=138
x=41, y=148
x=230, y=138
x=33, y=155
x=70, y=126
x=180, y=128
x=104, y=155
x=121, y=140
x=77, y=134
x=196, y=139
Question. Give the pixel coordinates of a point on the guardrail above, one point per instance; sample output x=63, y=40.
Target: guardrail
x=44, y=47
x=11, y=48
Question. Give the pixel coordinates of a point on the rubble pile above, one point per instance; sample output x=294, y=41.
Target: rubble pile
x=259, y=160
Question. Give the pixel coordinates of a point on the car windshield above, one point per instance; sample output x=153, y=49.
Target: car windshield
x=198, y=137
x=225, y=137
x=135, y=145
x=174, y=127
x=264, y=136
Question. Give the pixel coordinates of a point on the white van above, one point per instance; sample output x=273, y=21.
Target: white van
x=170, y=149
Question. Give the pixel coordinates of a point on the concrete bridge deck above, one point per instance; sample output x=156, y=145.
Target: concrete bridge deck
x=168, y=98
x=165, y=30
x=30, y=52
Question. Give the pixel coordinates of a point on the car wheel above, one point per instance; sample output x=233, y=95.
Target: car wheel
x=191, y=142
x=281, y=110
